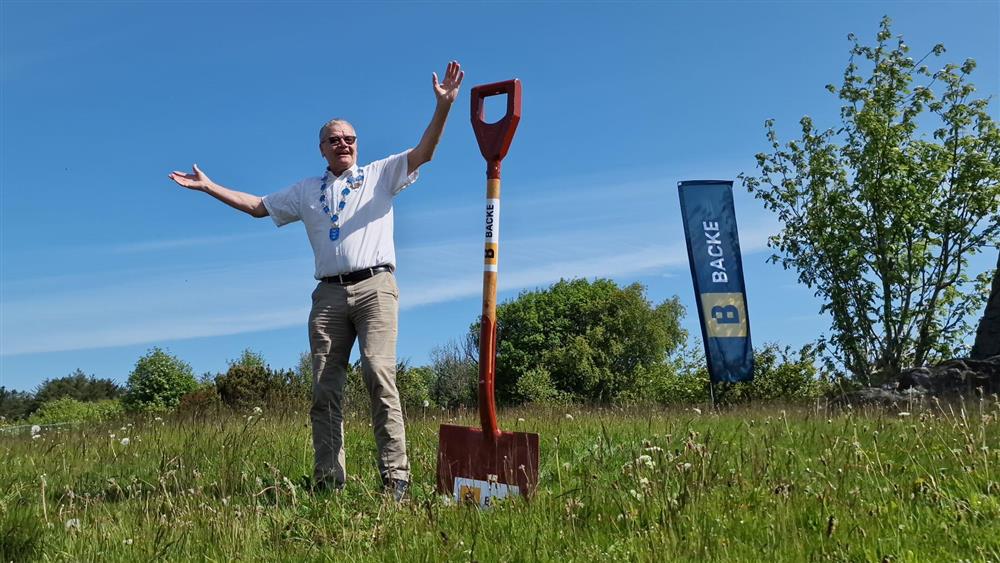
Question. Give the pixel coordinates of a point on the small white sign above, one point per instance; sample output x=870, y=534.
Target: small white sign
x=482, y=493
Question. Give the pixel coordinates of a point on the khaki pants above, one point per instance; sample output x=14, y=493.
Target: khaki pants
x=368, y=311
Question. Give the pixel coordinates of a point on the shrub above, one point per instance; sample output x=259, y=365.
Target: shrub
x=249, y=382
x=356, y=396
x=203, y=401
x=535, y=386
x=158, y=382
x=414, y=385
x=780, y=375
x=68, y=409
x=682, y=380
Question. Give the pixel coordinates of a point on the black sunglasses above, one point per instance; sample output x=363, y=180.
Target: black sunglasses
x=348, y=140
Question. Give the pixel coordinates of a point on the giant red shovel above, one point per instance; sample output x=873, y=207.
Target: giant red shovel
x=481, y=465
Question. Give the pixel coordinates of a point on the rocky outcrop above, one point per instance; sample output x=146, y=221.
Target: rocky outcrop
x=960, y=376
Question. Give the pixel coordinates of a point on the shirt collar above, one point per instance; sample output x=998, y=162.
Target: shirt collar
x=352, y=171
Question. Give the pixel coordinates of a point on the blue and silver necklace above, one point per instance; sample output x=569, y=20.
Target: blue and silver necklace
x=352, y=183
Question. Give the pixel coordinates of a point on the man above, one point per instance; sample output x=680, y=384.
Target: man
x=347, y=214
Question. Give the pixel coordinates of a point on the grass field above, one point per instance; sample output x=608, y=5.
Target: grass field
x=751, y=484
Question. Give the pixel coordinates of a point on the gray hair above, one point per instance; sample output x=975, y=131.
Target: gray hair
x=331, y=123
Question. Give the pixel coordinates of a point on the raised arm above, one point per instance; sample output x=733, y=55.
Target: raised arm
x=198, y=180
x=445, y=92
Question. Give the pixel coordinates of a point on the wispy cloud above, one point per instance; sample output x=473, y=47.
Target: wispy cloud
x=171, y=244
x=243, y=298
x=578, y=229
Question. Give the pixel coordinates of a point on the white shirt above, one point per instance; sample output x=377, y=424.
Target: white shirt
x=365, y=222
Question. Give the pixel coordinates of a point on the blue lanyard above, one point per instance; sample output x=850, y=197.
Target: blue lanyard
x=353, y=182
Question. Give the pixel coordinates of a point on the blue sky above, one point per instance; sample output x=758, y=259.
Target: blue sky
x=102, y=257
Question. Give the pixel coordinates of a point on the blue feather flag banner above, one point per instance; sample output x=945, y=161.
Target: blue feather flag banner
x=713, y=247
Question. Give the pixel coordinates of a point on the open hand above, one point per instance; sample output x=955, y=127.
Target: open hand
x=196, y=180
x=447, y=90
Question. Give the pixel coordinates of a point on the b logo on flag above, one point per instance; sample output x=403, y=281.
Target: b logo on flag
x=725, y=314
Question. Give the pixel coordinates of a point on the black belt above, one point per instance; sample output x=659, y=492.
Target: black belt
x=360, y=275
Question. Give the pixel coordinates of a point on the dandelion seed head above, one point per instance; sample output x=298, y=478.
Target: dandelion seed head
x=125, y=441
x=35, y=429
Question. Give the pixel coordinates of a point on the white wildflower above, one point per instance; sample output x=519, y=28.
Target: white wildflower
x=128, y=541
x=426, y=403
x=157, y=418
x=646, y=460
x=684, y=466
x=125, y=441
x=72, y=525
x=654, y=449
x=644, y=482
x=569, y=416
x=696, y=410
x=35, y=436
x=904, y=414
x=635, y=494
x=35, y=429
x=257, y=410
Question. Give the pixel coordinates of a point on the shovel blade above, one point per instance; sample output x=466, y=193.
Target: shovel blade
x=472, y=466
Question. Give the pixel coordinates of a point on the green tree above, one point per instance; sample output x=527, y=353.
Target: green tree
x=157, y=382
x=879, y=219
x=304, y=375
x=589, y=341
x=456, y=374
x=15, y=405
x=79, y=386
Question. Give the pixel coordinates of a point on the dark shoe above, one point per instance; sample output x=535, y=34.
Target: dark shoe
x=324, y=486
x=400, y=490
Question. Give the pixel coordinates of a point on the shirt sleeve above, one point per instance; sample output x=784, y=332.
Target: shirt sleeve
x=392, y=174
x=284, y=206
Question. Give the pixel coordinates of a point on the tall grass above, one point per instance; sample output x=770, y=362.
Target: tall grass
x=749, y=484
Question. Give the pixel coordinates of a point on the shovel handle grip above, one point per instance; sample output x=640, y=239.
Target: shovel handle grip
x=495, y=138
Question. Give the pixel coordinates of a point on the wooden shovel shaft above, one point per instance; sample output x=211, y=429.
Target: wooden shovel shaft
x=488, y=325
